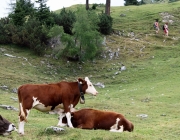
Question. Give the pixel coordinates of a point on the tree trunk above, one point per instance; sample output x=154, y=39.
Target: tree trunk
x=107, y=10
x=87, y=4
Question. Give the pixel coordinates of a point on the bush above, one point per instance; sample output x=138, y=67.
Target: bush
x=66, y=19
x=4, y=37
x=105, y=24
x=70, y=46
x=17, y=36
x=94, y=6
x=35, y=36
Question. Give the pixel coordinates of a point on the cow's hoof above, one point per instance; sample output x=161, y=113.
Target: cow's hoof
x=21, y=133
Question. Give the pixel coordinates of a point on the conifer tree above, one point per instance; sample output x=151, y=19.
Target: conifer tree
x=23, y=9
x=43, y=13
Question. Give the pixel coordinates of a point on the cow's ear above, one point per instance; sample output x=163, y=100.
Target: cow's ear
x=81, y=81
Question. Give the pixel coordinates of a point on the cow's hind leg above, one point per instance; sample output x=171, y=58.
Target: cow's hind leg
x=23, y=114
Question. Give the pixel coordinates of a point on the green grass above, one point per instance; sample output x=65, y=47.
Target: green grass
x=150, y=85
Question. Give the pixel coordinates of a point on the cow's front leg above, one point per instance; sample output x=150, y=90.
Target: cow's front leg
x=67, y=110
x=23, y=114
x=61, y=115
x=68, y=116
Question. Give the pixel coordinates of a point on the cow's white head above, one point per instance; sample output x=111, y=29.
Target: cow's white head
x=90, y=89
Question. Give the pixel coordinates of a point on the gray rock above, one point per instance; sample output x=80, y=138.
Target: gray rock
x=100, y=85
x=56, y=129
x=142, y=115
x=9, y=107
x=4, y=87
x=122, y=15
x=14, y=90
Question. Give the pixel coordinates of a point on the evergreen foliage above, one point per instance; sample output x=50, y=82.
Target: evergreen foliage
x=94, y=6
x=32, y=34
x=105, y=24
x=4, y=39
x=36, y=36
x=66, y=19
x=131, y=2
x=23, y=9
x=43, y=13
x=78, y=32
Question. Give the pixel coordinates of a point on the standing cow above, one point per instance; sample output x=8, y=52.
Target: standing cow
x=97, y=119
x=47, y=97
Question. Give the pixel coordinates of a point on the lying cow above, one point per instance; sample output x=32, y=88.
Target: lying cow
x=96, y=119
x=47, y=97
x=6, y=127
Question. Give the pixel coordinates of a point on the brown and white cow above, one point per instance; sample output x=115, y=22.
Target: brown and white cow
x=47, y=97
x=97, y=119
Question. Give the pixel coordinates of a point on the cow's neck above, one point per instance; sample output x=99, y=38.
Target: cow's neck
x=82, y=99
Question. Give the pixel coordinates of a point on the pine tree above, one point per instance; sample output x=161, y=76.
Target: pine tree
x=23, y=9
x=43, y=13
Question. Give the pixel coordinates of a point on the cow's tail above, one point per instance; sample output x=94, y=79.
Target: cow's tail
x=22, y=115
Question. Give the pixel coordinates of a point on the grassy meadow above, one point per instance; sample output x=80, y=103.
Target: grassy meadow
x=150, y=85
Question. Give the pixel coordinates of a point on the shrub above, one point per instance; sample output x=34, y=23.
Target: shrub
x=35, y=36
x=4, y=37
x=66, y=19
x=105, y=24
x=94, y=6
x=17, y=35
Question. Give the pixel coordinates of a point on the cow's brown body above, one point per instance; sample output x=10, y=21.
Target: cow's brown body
x=47, y=97
x=50, y=95
x=96, y=119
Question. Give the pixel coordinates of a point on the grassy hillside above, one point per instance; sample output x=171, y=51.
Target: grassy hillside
x=149, y=86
